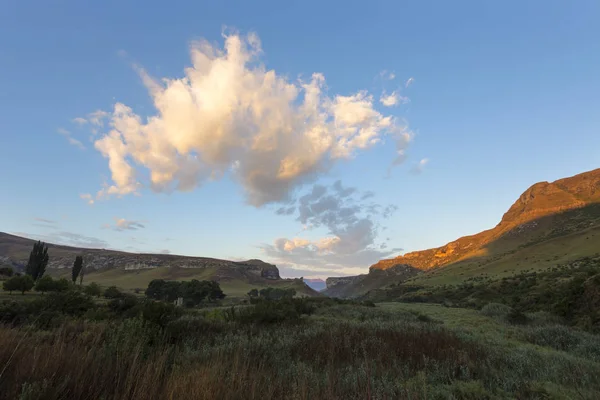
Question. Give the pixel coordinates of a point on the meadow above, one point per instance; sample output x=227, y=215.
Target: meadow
x=70, y=345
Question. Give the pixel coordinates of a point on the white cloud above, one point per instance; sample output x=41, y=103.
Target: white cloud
x=96, y=118
x=80, y=121
x=230, y=115
x=409, y=82
x=122, y=224
x=420, y=166
x=87, y=197
x=393, y=99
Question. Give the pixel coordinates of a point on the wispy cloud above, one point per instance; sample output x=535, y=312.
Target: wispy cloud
x=70, y=139
x=45, y=221
x=409, y=82
x=352, y=232
x=275, y=135
x=87, y=197
x=122, y=224
x=419, y=167
x=67, y=239
x=387, y=75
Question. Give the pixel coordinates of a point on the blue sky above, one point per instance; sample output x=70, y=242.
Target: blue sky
x=501, y=95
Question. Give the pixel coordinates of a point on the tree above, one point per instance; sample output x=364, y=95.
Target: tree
x=6, y=271
x=77, y=268
x=44, y=284
x=93, y=289
x=253, y=293
x=22, y=283
x=38, y=260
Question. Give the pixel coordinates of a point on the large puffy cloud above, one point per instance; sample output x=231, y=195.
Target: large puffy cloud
x=230, y=114
x=352, y=230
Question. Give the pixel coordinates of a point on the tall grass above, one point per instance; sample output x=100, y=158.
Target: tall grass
x=318, y=358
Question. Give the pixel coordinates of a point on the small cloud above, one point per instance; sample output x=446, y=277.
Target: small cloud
x=45, y=221
x=87, y=197
x=97, y=117
x=76, y=143
x=80, y=121
x=419, y=167
x=409, y=82
x=387, y=75
x=71, y=140
x=122, y=224
x=393, y=99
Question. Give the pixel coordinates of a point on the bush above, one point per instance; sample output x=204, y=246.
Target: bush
x=93, y=289
x=516, y=317
x=123, y=303
x=268, y=312
x=13, y=313
x=71, y=302
x=496, y=310
x=157, y=312
x=112, y=292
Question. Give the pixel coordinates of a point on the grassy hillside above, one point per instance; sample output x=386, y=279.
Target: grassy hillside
x=132, y=271
x=550, y=223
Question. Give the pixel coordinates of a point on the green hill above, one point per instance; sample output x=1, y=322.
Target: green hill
x=134, y=271
x=550, y=223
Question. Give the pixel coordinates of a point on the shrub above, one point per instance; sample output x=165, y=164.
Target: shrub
x=496, y=310
x=267, y=312
x=157, y=312
x=6, y=271
x=123, y=303
x=93, y=289
x=70, y=302
x=13, y=313
x=112, y=292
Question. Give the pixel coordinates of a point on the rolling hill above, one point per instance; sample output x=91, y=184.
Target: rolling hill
x=135, y=271
x=550, y=223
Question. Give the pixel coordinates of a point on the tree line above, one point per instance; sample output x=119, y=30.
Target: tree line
x=34, y=273
x=192, y=292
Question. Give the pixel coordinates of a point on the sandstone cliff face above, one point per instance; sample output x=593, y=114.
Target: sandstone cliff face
x=540, y=200
x=15, y=250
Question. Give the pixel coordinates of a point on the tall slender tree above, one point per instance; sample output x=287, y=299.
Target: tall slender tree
x=38, y=260
x=77, y=268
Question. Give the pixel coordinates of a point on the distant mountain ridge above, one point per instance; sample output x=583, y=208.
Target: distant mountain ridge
x=136, y=270
x=545, y=211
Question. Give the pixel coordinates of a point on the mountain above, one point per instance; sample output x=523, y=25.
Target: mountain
x=550, y=223
x=316, y=284
x=135, y=271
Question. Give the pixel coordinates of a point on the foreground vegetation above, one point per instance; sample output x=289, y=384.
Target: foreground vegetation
x=571, y=292
x=70, y=345
x=90, y=342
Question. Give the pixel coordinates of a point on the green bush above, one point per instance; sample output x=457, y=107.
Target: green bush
x=123, y=303
x=112, y=292
x=93, y=289
x=71, y=302
x=157, y=312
